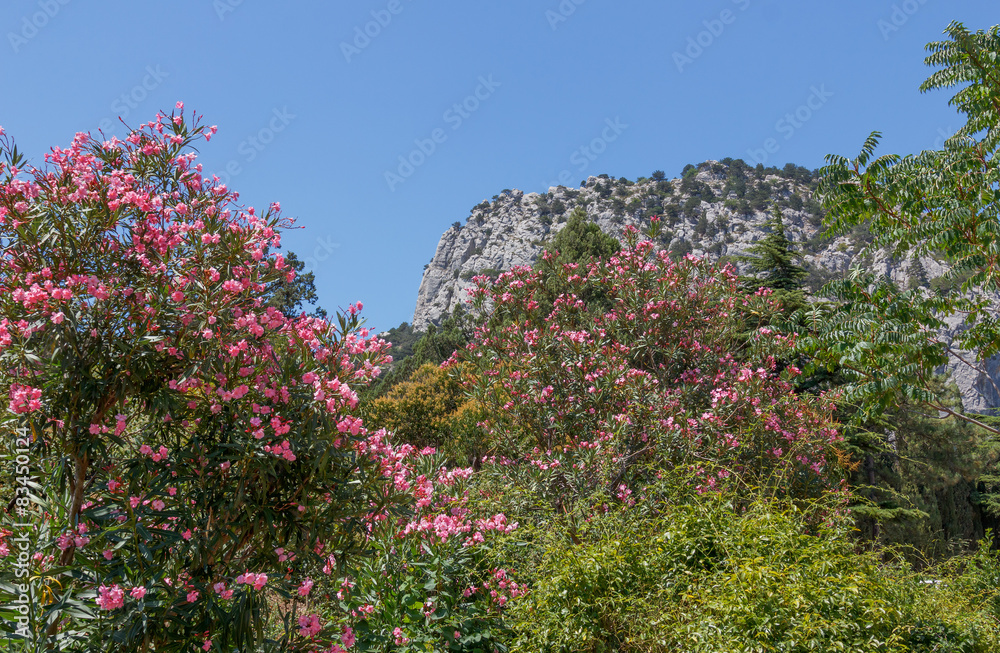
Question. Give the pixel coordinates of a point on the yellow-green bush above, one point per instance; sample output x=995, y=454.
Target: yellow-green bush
x=710, y=577
x=430, y=409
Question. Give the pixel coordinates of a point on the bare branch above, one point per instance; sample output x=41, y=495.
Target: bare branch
x=964, y=418
x=954, y=352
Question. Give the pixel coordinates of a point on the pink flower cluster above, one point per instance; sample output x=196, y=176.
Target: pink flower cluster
x=110, y=598
x=309, y=625
x=222, y=591
x=174, y=274
x=604, y=393
x=24, y=399
x=161, y=454
x=281, y=450
x=258, y=581
x=75, y=538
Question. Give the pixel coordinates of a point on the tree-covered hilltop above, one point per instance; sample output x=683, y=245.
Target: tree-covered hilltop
x=715, y=208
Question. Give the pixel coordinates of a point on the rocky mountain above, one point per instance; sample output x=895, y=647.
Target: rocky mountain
x=717, y=208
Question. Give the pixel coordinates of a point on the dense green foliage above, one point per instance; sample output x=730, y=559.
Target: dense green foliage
x=431, y=409
x=772, y=265
x=705, y=575
x=940, y=203
x=582, y=241
x=403, y=338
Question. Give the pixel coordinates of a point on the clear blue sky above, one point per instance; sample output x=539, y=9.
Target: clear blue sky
x=313, y=115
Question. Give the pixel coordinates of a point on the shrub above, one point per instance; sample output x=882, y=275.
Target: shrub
x=176, y=427
x=662, y=377
x=430, y=410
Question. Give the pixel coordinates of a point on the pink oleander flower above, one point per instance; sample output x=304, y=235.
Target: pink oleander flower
x=220, y=589
x=309, y=625
x=64, y=541
x=137, y=593
x=24, y=399
x=258, y=581
x=110, y=598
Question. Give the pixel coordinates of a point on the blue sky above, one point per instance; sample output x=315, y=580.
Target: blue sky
x=317, y=102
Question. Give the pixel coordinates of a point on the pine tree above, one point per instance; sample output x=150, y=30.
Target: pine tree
x=772, y=264
x=918, y=274
x=289, y=296
x=582, y=241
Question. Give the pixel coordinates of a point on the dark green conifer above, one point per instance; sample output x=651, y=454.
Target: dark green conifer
x=582, y=241
x=772, y=264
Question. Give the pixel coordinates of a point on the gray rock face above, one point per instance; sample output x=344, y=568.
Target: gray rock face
x=979, y=382
x=717, y=210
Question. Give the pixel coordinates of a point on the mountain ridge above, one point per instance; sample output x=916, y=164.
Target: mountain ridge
x=716, y=208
